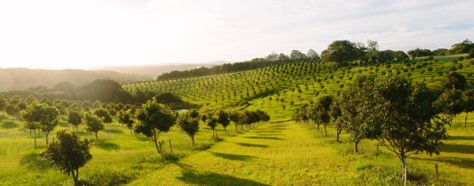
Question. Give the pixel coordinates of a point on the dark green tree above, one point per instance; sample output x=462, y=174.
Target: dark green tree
x=468, y=103
x=451, y=103
x=454, y=80
x=74, y=118
x=69, y=153
x=409, y=123
x=341, y=52
x=223, y=119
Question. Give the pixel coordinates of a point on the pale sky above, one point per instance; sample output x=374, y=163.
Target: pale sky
x=88, y=33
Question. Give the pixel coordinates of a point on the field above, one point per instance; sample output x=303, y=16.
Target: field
x=278, y=152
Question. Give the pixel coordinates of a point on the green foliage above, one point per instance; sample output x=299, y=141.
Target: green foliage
x=189, y=125
x=126, y=117
x=154, y=118
x=451, y=102
x=223, y=119
x=341, y=51
x=74, y=118
x=69, y=153
x=103, y=114
x=454, y=80
x=93, y=123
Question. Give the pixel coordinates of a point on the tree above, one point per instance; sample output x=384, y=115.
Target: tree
x=48, y=120
x=40, y=116
x=223, y=119
x=409, y=122
x=93, y=124
x=69, y=153
x=103, y=114
x=297, y=55
x=126, y=117
x=468, y=103
x=451, y=103
x=321, y=111
x=357, y=108
x=193, y=113
x=454, y=80
x=155, y=118
x=212, y=122
x=335, y=113
x=74, y=118
x=312, y=55
x=3, y=104
x=189, y=125
x=341, y=52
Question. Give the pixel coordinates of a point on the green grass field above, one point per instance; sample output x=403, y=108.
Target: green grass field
x=274, y=153
x=280, y=152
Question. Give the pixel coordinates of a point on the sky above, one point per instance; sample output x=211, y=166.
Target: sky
x=60, y=34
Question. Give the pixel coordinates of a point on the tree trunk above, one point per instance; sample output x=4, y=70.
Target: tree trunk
x=325, y=131
x=405, y=171
x=356, y=143
x=156, y=142
x=465, y=119
x=75, y=177
x=96, y=137
x=47, y=134
x=225, y=130
x=35, y=137
x=338, y=132
x=192, y=139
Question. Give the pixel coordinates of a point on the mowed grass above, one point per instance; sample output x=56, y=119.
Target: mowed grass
x=288, y=153
x=274, y=153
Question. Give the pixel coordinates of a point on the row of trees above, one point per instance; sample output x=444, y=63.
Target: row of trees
x=407, y=118
x=463, y=47
x=151, y=119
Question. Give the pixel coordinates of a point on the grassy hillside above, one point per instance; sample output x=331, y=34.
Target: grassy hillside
x=287, y=85
x=278, y=152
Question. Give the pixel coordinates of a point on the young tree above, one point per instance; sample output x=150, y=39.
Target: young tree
x=104, y=114
x=93, y=123
x=3, y=104
x=321, y=111
x=357, y=108
x=468, y=103
x=454, y=80
x=451, y=103
x=189, y=125
x=335, y=113
x=69, y=153
x=126, y=117
x=74, y=118
x=155, y=118
x=409, y=122
x=212, y=122
x=48, y=120
x=223, y=119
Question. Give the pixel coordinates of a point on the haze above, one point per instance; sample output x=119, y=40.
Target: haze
x=60, y=34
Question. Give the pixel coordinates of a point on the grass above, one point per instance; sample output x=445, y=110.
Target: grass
x=280, y=152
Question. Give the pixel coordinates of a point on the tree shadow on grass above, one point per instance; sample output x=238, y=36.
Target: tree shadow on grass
x=457, y=148
x=9, y=125
x=264, y=137
x=114, y=131
x=268, y=131
x=233, y=156
x=459, y=162
x=34, y=161
x=461, y=138
x=252, y=145
x=209, y=178
x=106, y=145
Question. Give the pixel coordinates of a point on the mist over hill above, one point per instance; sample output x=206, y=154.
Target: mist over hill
x=22, y=78
x=154, y=70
